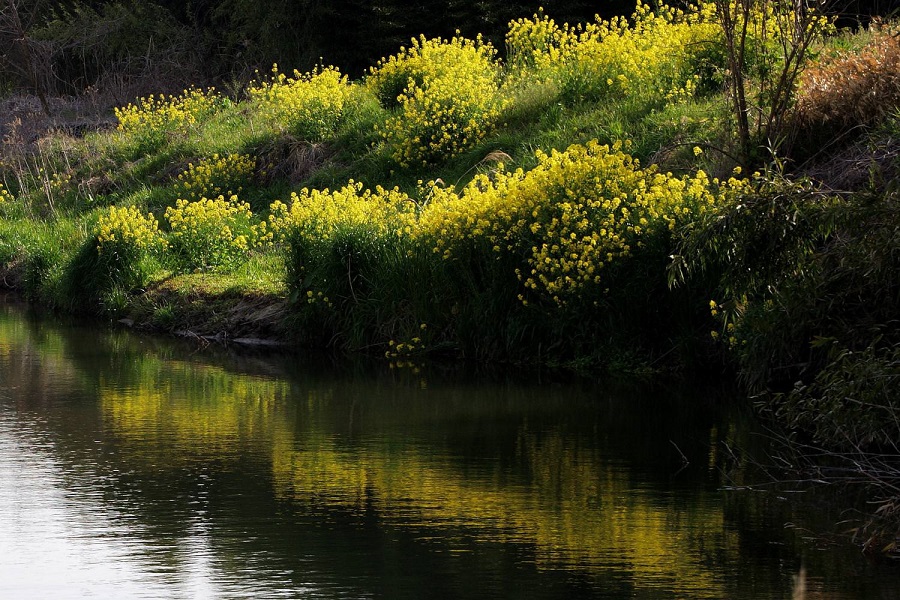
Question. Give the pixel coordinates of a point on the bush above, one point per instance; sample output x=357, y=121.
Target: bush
x=152, y=119
x=808, y=293
x=448, y=97
x=314, y=215
x=211, y=232
x=122, y=253
x=215, y=176
x=552, y=256
x=344, y=260
x=308, y=105
x=126, y=232
x=568, y=219
x=652, y=57
x=852, y=401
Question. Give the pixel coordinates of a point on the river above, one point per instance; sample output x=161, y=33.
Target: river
x=139, y=467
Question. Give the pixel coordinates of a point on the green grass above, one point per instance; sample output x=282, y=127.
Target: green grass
x=111, y=167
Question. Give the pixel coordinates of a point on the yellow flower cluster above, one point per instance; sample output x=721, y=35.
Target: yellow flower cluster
x=650, y=55
x=317, y=214
x=125, y=229
x=570, y=217
x=167, y=113
x=215, y=176
x=728, y=333
x=211, y=232
x=537, y=43
x=5, y=195
x=312, y=298
x=407, y=348
x=448, y=95
x=309, y=104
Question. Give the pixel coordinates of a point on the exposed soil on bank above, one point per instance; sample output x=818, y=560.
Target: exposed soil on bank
x=189, y=307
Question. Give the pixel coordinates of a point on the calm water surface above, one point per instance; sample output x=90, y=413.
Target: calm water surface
x=137, y=468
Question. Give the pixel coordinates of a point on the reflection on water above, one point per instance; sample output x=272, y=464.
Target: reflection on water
x=139, y=468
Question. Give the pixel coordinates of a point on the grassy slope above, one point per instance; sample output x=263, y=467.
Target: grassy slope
x=61, y=183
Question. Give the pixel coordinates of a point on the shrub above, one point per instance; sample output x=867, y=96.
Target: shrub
x=5, y=195
x=449, y=98
x=851, y=402
x=803, y=277
x=537, y=255
x=316, y=215
x=122, y=252
x=568, y=219
x=653, y=56
x=154, y=117
x=345, y=260
x=308, y=105
x=536, y=43
x=125, y=231
x=215, y=176
x=211, y=232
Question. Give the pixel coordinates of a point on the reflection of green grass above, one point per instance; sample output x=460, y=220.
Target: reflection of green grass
x=560, y=494
x=576, y=510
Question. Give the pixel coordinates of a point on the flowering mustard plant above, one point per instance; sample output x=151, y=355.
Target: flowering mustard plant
x=308, y=104
x=211, y=232
x=651, y=55
x=126, y=231
x=448, y=96
x=215, y=176
x=570, y=217
x=319, y=213
x=155, y=114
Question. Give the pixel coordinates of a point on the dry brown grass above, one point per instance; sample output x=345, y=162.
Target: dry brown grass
x=852, y=89
x=292, y=158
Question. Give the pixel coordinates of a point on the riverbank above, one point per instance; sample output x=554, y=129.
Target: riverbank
x=598, y=199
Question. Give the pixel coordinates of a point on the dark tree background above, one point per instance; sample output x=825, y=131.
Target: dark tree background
x=87, y=42
x=72, y=45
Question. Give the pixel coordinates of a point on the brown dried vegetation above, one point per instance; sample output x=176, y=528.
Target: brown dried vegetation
x=852, y=89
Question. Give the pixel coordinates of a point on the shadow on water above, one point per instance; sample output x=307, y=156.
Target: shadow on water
x=205, y=471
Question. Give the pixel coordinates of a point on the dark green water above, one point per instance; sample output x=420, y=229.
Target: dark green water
x=132, y=467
